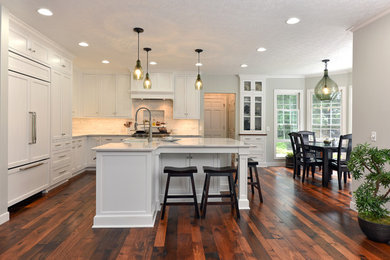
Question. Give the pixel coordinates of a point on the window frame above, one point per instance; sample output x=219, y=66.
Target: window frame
x=301, y=112
x=343, y=117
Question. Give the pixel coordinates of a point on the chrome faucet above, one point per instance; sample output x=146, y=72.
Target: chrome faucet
x=150, y=122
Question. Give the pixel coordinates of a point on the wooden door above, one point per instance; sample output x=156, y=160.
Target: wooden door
x=215, y=116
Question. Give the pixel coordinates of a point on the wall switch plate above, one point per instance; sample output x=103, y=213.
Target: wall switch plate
x=373, y=136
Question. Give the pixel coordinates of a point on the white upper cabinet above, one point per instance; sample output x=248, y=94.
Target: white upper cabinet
x=186, y=104
x=105, y=95
x=252, y=105
x=90, y=94
x=23, y=44
x=162, y=87
x=61, y=105
x=59, y=62
x=108, y=95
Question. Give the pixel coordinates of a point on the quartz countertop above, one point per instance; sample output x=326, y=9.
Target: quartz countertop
x=127, y=135
x=138, y=145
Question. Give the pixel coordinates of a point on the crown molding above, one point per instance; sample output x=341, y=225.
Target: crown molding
x=368, y=21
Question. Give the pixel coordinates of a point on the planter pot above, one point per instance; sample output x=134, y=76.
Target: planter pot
x=374, y=231
x=290, y=162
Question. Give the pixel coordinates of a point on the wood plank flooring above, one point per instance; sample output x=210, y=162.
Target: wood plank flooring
x=296, y=221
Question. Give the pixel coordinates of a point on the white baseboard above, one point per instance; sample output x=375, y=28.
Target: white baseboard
x=4, y=217
x=275, y=164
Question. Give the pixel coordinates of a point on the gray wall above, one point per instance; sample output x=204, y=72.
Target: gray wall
x=271, y=85
x=4, y=216
x=371, y=93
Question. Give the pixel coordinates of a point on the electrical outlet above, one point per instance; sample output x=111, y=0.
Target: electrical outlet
x=373, y=136
x=268, y=129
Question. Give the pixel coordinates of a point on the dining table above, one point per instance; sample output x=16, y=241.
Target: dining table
x=326, y=149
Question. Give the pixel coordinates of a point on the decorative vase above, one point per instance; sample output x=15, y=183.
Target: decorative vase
x=374, y=231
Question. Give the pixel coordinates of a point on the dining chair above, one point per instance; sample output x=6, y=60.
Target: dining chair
x=343, y=155
x=303, y=159
x=297, y=168
x=309, y=136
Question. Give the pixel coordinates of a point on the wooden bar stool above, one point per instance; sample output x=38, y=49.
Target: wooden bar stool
x=252, y=167
x=180, y=172
x=214, y=172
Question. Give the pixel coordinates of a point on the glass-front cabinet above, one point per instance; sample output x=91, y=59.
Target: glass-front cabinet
x=252, y=106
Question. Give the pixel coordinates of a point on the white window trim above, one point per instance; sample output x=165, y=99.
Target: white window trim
x=343, y=91
x=301, y=113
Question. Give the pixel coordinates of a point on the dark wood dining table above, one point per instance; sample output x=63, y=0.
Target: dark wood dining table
x=326, y=151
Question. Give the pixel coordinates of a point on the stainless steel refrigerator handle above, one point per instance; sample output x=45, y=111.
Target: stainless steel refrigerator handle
x=35, y=127
x=32, y=127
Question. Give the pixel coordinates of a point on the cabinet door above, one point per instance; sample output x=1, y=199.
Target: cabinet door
x=176, y=185
x=200, y=160
x=179, y=104
x=257, y=111
x=40, y=105
x=19, y=125
x=107, y=96
x=18, y=42
x=246, y=113
x=192, y=99
x=123, y=100
x=164, y=81
x=56, y=115
x=90, y=90
x=66, y=108
x=38, y=51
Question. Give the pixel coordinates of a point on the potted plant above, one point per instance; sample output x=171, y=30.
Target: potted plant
x=370, y=165
x=290, y=160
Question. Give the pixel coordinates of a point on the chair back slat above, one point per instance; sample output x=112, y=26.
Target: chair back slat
x=308, y=136
x=293, y=144
x=299, y=146
x=344, y=149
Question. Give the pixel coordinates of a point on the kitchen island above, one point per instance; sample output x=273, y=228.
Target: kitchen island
x=130, y=180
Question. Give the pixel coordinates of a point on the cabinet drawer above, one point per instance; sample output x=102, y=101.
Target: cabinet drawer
x=26, y=181
x=253, y=139
x=61, y=158
x=63, y=145
x=25, y=66
x=60, y=174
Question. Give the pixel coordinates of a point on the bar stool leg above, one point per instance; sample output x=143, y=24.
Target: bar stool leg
x=203, y=192
x=258, y=185
x=251, y=178
x=165, y=196
x=206, y=196
x=234, y=195
x=195, y=199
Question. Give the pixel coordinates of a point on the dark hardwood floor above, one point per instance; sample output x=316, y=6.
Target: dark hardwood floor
x=296, y=221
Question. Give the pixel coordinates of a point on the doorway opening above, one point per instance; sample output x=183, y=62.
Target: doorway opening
x=220, y=115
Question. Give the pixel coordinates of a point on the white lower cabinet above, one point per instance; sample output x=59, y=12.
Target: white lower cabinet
x=78, y=155
x=91, y=155
x=257, y=153
x=61, y=161
x=26, y=181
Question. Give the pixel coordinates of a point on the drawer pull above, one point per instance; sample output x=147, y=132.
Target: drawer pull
x=58, y=145
x=61, y=172
x=67, y=143
x=30, y=167
x=94, y=158
x=108, y=139
x=62, y=156
x=79, y=146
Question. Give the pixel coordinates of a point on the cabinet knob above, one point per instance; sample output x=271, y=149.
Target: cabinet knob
x=63, y=65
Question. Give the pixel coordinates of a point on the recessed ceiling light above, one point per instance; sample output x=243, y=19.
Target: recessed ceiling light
x=261, y=49
x=45, y=12
x=198, y=64
x=83, y=44
x=293, y=20
x=153, y=63
x=105, y=61
x=244, y=65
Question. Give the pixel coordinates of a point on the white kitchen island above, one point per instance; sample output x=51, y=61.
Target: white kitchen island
x=130, y=180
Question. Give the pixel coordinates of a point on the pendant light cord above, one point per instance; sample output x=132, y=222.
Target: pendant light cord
x=198, y=62
x=147, y=62
x=138, y=45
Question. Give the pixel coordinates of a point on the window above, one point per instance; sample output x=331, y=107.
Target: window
x=326, y=118
x=287, y=118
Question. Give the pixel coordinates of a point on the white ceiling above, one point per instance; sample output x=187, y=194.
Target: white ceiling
x=229, y=31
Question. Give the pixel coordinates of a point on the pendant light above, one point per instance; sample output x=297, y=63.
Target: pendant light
x=326, y=88
x=198, y=82
x=147, y=81
x=138, y=74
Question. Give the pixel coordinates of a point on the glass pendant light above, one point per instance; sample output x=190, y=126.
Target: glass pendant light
x=147, y=81
x=138, y=74
x=326, y=88
x=198, y=82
